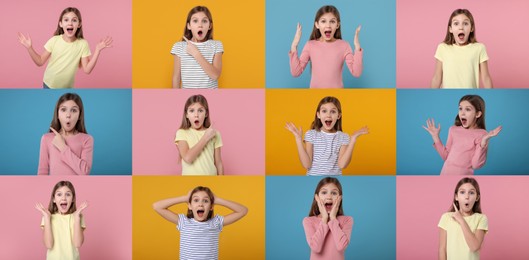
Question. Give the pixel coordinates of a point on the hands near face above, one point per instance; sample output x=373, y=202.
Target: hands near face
x=45, y=212
x=80, y=209
x=297, y=132
x=191, y=48
x=58, y=140
x=457, y=216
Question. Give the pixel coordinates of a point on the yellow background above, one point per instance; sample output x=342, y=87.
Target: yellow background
x=153, y=237
x=374, y=153
x=158, y=25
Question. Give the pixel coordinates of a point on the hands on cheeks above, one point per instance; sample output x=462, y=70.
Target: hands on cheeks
x=323, y=212
x=335, y=207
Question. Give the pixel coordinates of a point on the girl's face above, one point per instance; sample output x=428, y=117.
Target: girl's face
x=70, y=23
x=68, y=115
x=468, y=114
x=63, y=198
x=328, y=195
x=328, y=115
x=196, y=114
x=200, y=205
x=327, y=24
x=199, y=26
x=461, y=27
x=466, y=197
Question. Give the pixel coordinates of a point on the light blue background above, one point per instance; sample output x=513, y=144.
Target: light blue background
x=26, y=115
x=377, y=38
x=507, y=153
x=369, y=200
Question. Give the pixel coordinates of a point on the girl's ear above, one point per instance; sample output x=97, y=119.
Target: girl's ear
x=338, y=26
x=318, y=115
x=339, y=115
x=316, y=25
x=189, y=206
x=479, y=114
x=188, y=26
x=477, y=199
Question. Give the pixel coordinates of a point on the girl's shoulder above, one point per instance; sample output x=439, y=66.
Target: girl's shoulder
x=344, y=219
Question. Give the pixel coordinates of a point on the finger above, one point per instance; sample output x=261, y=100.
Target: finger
x=185, y=39
x=55, y=131
x=358, y=29
x=455, y=207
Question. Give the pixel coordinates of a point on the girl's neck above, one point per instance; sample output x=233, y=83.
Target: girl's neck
x=68, y=39
x=321, y=39
x=333, y=131
x=69, y=133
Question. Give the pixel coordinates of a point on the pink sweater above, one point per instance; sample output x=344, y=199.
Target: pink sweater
x=463, y=152
x=323, y=245
x=327, y=62
x=76, y=159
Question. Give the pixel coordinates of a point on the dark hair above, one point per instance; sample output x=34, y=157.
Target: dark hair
x=314, y=209
x=79, y=126
x=477, y=205
x=79, y=32
x=479, y=104
x=211, y=198
x=449, y=38
x=52, y=207
x=316, y=124
x=190, y=101
x=197, y=9
x=316, y=34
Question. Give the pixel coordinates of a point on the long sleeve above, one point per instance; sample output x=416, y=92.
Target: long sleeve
x=82, y=164
x=444, y=150
x=297, y=65
x=44, y=159
x=341, y=233
x=315, y=234
x=480, y=155
x=354, y=61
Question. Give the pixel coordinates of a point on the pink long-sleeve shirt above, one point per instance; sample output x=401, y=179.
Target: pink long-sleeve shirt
x=327, y=60
x=463, y=152
x=328, y=241
x=76, y=159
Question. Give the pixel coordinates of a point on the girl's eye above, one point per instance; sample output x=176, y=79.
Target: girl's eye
x=335, y=193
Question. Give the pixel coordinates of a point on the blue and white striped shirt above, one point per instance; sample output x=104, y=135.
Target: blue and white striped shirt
x=199, y=240
x=326, y=148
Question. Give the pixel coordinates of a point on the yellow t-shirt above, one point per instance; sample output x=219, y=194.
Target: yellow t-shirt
x=461, y=64
x=456, y=246
x=64, y=61
x=62, y=230
x=204, y=164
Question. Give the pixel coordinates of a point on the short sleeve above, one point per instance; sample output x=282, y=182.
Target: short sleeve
x=49, y=44
x=309, y=136
x=344, y=139
x=483, y=223
x=483, y=56
x=181, y=135
x=439, y=52
x=177, y=49
x=218, y=140
x=218, y=222
x=182, y=220
x=219, y=47
x=85, y=49
x=443, y=223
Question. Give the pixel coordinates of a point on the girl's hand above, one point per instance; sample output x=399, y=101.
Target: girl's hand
x=80, y=209
x=335, y=207
x=210, y=132
x=58, y=140
x=24, y=40
x=104, y=43
x=297, y=132
x=362, y=131
x=297, y=37
x=191, y=49
x=323, y=212
x=434, y=131
x=356, y=41
x=457, y=216
x=492, y=133
x=45, y=212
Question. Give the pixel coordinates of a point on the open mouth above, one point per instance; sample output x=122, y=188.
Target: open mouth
x=328, y=33
x=328, y=123
x=200, y=33
x=196, y=122
x=64, y=206
x=200, y=213
x=328, y=206
x=69, y=30
x=464, y=121
x=461, y=36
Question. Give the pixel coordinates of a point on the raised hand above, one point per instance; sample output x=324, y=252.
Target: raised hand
x=335, y=207
x=457, y=216
x=104, y=43
x=210, y=132
x=297, y=38
x=24, y=40
x=191, y=49
x=58, y=140
x=323, y=212
x=356, y=40
x=45, y=212
x=80, y=209
x=434, y=131
x=297, y=132
x=493, y=133
x=362, y=131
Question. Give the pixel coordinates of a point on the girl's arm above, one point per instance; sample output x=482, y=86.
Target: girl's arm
x=485, y=76
x=218, y=162
x=80, y=165
x=78, y=230
x=189, y=155
x=341, y=233
x=89, y=63
x=44, y=159
x=239, y=210
x=354, y=62
x=304, y=152
x=480, y=153
x=442, y=244
x=162, y=207
x=176, y=72
x=298, y=64
x=315, y=234
x=213, y=70
x=438, y=74
x=473, y=240
x=46, y=219
x=346, y=151
x=39, y=59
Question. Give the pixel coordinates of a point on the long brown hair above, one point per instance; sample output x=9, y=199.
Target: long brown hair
x=316, y=34
x=449, y=37
x=79, y=126
x=477, y=205
x=197, y=9
x=79, y=32
x=316, y=124
x=190, y=101
x=52, y=207
x=479, y=104
x=314, y=209
x=211, y=198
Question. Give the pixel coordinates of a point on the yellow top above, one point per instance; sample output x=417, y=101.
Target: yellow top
x=204, y=164
x=62, y=230
x=461, y=64
x=64, y=61
x=456, y=246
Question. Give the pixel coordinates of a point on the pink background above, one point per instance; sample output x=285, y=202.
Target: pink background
x=237, y=114
x=422, y=200
x=39, y=18
x=500, y=25
x=108, y=217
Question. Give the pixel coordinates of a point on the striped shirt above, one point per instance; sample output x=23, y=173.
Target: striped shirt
x=326, y=148
x=193, y=76
x=199, y=240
